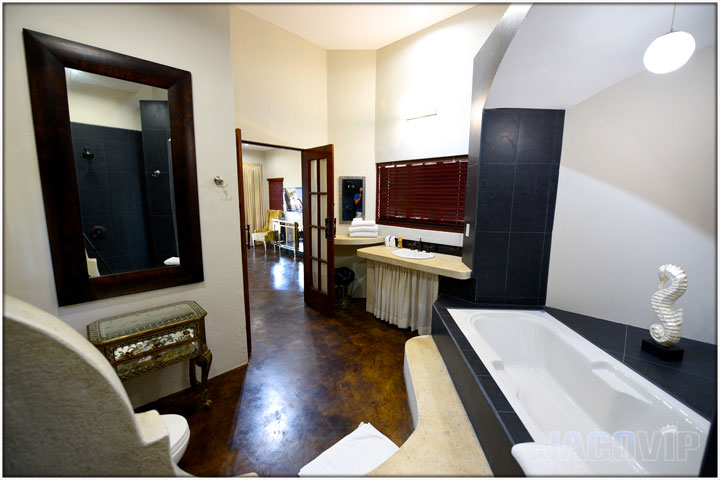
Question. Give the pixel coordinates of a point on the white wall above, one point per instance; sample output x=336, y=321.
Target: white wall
x=351, y=122
x=430, y=69
x=109, y=107
x=193, y=38
x=637, y=189
x=280, y=84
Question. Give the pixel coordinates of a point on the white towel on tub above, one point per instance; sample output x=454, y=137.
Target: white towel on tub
x=363, y=234
x=356, y=454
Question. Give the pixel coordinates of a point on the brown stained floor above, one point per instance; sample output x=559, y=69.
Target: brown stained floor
x=311, y=380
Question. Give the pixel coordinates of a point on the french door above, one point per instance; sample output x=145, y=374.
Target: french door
x=319, y=228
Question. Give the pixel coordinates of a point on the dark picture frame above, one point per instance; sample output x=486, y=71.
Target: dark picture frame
x=46, y=58
x=349, y=188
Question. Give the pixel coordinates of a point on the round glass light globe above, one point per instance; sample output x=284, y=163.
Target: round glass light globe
x=669, y=52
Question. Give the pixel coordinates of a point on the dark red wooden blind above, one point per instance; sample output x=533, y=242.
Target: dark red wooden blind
x=422, y=193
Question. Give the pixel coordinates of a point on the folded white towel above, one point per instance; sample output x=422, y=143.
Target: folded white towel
x=356, y=454
x=363, y=228
x=359, y=221
x=364, y=234
x=172, y=261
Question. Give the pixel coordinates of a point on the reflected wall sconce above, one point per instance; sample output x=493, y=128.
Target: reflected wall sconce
x=669, y=52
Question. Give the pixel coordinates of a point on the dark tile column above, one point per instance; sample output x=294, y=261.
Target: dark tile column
x=516, y=192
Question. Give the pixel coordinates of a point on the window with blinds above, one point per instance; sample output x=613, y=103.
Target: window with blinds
x=426, y=194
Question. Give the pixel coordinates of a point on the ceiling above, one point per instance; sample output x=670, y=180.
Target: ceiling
x=565, y=53
x=354, y=26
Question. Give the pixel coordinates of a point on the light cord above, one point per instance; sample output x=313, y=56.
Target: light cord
x=672, y=23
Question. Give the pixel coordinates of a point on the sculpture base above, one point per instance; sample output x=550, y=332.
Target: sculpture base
x=669, y=354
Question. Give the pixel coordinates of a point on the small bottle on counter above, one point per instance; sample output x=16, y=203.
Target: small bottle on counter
x=399, y=242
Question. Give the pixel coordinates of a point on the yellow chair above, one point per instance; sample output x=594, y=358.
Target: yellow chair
x=267, y=234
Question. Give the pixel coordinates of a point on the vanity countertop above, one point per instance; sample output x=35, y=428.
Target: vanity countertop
x=445, y=265
x=348, y=240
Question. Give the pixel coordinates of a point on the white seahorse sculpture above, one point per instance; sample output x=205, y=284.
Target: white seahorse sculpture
x=663, y=302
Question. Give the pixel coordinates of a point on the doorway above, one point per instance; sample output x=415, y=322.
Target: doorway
x=277, y=230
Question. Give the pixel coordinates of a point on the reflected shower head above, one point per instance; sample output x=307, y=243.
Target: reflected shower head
x=87, y=154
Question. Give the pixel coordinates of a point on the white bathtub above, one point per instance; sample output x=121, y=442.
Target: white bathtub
x=587, y=413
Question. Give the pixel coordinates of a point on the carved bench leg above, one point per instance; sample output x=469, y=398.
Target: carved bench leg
x=204, y=361
x=193, y=377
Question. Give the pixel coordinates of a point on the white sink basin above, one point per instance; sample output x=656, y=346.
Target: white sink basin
x=414, y=254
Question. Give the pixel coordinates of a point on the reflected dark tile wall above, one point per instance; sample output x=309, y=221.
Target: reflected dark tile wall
x=516, y=192
x=154, y=116
x=111, y=188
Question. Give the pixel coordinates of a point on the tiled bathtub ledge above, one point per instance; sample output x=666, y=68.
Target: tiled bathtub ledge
x=496, y=425
x=443, y=443
x=692, y=381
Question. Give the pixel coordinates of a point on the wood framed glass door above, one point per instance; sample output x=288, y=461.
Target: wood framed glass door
x=319, y=228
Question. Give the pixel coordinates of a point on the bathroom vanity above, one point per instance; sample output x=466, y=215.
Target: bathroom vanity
x=403, y=290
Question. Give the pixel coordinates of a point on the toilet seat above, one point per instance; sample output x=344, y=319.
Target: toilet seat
x=179, y=431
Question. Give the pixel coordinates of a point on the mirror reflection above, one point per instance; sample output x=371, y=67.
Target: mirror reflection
x=352, y=198
x=122, y=152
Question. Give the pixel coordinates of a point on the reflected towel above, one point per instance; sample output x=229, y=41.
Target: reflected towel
x=172, y=261
x=364, y=228
x=363, y=234
x=359, y=222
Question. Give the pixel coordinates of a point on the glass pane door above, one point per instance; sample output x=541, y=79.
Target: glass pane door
x=318, y=228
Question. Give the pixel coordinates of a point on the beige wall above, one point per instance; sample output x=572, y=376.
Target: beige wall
x=283, y=81
x=190, y=37
x=276, y=163
x=430, y=69
x=637, y=189
x=351, y=122
x=280, y=83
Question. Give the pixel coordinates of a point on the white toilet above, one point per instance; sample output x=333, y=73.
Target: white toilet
x=179, y=434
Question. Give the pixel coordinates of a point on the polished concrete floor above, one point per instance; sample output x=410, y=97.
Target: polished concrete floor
x=310, y=381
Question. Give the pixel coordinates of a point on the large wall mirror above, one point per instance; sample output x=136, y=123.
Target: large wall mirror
x=116, y=151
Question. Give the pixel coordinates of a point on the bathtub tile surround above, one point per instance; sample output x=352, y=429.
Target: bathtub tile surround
x=692, y=381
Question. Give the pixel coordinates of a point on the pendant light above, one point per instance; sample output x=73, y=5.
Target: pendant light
x=669, y=52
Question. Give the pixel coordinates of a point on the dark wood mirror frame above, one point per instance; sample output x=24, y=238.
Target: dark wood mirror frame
x=46, y=57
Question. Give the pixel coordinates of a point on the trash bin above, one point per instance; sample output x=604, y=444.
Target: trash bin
x=343, y=280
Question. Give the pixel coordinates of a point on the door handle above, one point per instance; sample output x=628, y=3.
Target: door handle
x=328, y=230
x=334, y=227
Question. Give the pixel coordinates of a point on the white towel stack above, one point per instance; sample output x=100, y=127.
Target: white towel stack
x=363, y=228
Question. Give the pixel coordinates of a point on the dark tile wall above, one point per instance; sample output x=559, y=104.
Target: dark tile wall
x=112, y=195
x=516, y=192
x=485, y=66
x=157, y=153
